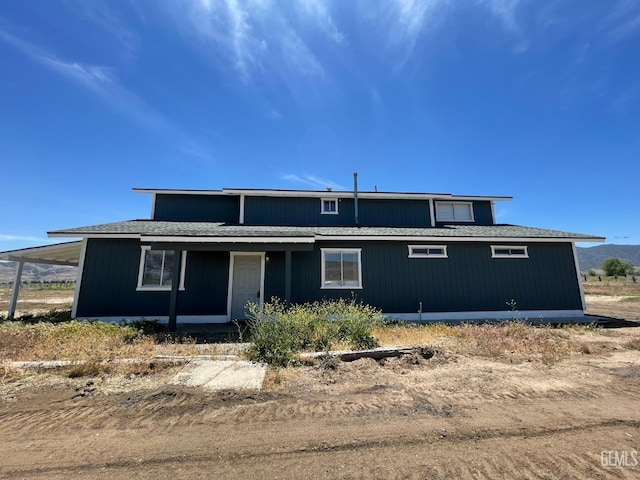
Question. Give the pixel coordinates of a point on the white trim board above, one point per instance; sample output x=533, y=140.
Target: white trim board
x=322, y=193
x=76, y=292
x=408, y=238
x=317, y=236
x=529, y=315
x=168, y=239
x=579, y=276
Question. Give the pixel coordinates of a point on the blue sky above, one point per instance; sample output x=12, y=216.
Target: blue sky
x=538, y=100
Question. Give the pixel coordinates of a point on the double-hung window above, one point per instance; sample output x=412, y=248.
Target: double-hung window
x=156, y=269
x=341, y=268
x=329, y=206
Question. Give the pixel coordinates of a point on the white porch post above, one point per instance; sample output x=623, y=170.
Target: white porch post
x=16, y=290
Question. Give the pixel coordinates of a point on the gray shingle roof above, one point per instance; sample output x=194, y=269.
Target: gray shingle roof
x=145, y=228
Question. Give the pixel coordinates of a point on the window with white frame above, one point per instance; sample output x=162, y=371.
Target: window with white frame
x=341, y=268
x=329, y=206
x=427, y=251
x=506, y=251
x=156, y=269
x=454, y=211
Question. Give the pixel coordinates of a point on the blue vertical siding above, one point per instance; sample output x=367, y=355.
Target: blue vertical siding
x=300, y=211
x=197, y=208
x=468, y=280
x=110, y=279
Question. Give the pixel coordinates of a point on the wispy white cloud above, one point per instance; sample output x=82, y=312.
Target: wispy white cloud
x=313, y=181
x=275, y=114
x=255, y=35
x=318, y=10
x=102, y=82
x=405, y=22
x=103, y=15
x=99, y=80
x=21, y=238
x=623, y=21
x=506, y=12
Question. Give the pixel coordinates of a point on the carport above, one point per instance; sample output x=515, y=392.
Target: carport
x=67, y=253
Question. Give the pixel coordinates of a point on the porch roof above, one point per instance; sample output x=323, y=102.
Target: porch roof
x=153, y=231
x=67, y=253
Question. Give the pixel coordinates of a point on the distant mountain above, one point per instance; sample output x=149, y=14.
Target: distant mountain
x=33, y=272
x=593, y=257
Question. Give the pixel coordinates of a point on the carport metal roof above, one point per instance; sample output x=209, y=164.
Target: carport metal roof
x=67, y=253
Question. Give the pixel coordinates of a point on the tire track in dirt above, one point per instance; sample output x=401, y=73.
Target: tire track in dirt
x=500, y=442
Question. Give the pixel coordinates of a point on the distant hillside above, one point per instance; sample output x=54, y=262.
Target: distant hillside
x=38, y=273
x=593, y=257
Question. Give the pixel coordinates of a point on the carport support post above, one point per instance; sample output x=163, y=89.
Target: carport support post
x=16, y=290
x=287, y=276
x=175, y=285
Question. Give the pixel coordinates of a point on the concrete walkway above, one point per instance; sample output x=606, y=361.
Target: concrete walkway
x=215, y=375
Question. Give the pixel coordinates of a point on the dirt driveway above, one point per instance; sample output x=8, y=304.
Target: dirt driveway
x=450, y=416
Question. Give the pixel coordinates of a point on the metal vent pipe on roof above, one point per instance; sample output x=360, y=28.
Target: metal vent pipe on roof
x=355, y=195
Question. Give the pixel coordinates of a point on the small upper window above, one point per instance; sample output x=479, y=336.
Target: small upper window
x=503, y=251
x=427, y=251
x=156, y=269
x=454, y=211
x=329, y=205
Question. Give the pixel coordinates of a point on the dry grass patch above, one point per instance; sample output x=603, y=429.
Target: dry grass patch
x=633, y=344
x=276, y=378
x=514, y=340
x=408, y=334
x=93, y=347
x=621, y=287
x=517, y=340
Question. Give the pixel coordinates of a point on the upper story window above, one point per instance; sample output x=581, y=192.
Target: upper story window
x=427, y=251
x=341, y=268
x=156, y=269
x=504, y=251
x=329, y=205
x=454, y=211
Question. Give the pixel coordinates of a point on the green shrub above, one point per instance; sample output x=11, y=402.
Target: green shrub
x=278, y=331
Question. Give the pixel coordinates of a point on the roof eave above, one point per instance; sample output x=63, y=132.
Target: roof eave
x=321, y=194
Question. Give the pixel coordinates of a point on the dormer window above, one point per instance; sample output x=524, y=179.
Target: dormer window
x=329, y=206
x=454, y=211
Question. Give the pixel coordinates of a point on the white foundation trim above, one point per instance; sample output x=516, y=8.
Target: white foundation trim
x=161, y=318
x=530, y=315
x=538, y=316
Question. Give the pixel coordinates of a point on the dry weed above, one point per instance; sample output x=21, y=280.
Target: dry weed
x=516, y=339
x=276, y=378
x=94, y=347
x=633, y=344
x=407, y=335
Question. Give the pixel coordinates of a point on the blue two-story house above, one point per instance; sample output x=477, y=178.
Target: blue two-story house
x=417, y=256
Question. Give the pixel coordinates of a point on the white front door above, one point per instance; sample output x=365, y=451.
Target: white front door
x=246, y=282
